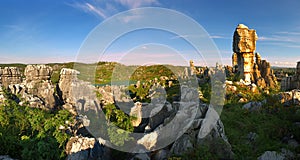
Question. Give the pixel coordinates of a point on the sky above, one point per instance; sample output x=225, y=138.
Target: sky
x=43, y=31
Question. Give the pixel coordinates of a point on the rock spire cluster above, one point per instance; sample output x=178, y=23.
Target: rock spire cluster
x=247, y=63
x=291, y=82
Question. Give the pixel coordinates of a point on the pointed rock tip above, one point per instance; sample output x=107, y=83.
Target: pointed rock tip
x=242, y=26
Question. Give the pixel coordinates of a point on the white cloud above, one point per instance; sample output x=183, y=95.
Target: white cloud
x=217, y=37
x=180, y=36
x=277, y=38
x=137, y=3
x=89, y=8
x=104, y=9
x=95, y=10
x=285, y=39
x=129, y=18
x=289, y=33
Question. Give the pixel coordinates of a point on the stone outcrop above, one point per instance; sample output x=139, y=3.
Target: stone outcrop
x=36, y=89
x=6, y=157
x=77, y=95
x=289, y=98
x=10, y=75
x=247, y=63
x=271, y=155
x=291, y=82
x=193, y=68
x=38, y=83
x=136, y=111
x=81, y=148
x=2, y=98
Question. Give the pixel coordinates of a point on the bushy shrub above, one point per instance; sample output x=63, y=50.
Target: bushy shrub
x=30, y=133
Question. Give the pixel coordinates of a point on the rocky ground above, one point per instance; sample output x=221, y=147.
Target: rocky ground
x=202, y=135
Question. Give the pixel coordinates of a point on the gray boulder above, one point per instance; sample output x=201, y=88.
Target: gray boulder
x=182, y=145
x=253, y=106
x=271, y=155
x=82, y=148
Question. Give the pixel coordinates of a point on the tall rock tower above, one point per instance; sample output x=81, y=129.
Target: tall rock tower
x=244, y=46
x=246, y=62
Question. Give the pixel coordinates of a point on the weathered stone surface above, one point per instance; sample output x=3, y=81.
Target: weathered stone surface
x=38, y=83
x=182, y=145
x=6, y=157
x=38, y=72
x=248, y=64
x=10, y=75
x=149, y=140
x=271, y=155
x=106, y=95
x=162, y=154
x=2, y=98
x=291, y=82
x=290, y=98
x=36, y=89
x=77, y=95
x=82, y=148
x=253, y=106
x=212, y=134
x=193, y=68
x=244, y=39
x=136, y=111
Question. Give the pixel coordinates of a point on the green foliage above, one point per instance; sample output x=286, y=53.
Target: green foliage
x=173, y=91
x=118, y=136
x=30, y=133
x=141, y=93
x=120, y=125
x=244, y=91
x=55, y=77
x=200, y=153
x=206, y=91
x=270, y=128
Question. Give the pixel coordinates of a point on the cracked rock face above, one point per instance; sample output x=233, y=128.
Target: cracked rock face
x=247, y=63
x=10, y=75
x=84, y=148
x=38, y=83
x=77, y=95
x=291, y=82
x=244, y=39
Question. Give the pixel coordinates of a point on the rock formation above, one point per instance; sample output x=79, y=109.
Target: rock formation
x=76, y=94
x=136, y=111
x=193, y=68
x=291, y=82
x=79, y=98
x=38, y=83
x=36, y=89
x=248, y=64
x=10, y=75
x=84, y=148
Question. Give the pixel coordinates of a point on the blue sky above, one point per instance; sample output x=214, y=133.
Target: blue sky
x=41, y=31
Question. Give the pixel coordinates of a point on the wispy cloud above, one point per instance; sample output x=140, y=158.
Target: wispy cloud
x=285, y=39
x=106, y=8
x=129, y=18
x=289, y=33
x=137, y=3
x=180, y=36
x=210, y=36
x=217, y=37
x=95, y=10
x=278, y=38
x=89, y=8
